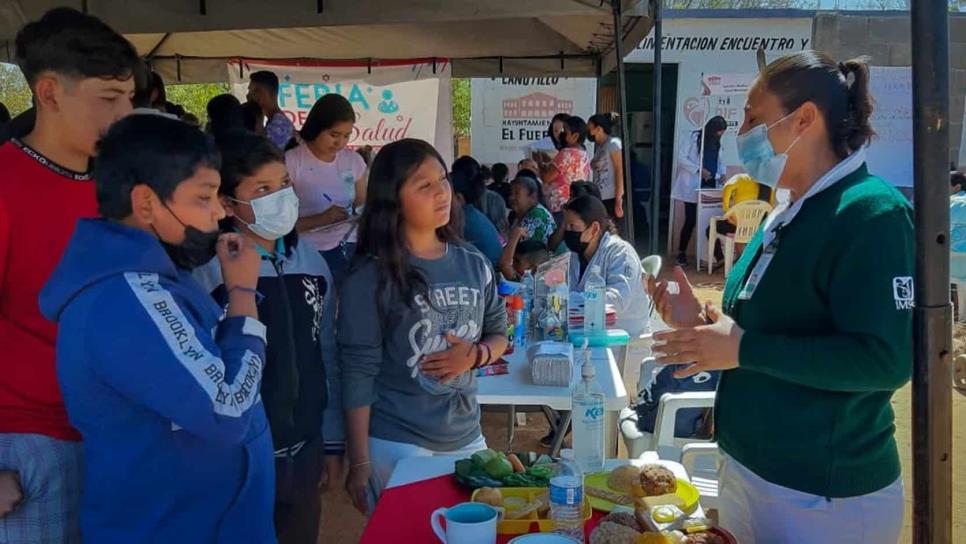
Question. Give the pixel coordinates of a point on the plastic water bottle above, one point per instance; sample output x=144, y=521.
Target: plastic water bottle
x=528, y=293
x=588, y=418
x=595, y=313
x=567, y=497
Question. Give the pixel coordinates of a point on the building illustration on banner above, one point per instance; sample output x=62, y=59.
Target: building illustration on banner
x=508, y=114
x=536, y=106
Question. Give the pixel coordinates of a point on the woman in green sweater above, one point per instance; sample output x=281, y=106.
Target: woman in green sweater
x=815, y=335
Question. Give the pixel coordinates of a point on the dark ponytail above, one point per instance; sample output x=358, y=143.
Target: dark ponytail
x=856, y=131
x=840, y=90
x=608, y=122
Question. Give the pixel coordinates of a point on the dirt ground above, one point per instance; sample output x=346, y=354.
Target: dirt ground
x=342, y=524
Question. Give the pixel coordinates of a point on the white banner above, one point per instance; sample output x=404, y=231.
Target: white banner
x=392, y=102
x=890, y=153
x=716, y=84
x=508, y=114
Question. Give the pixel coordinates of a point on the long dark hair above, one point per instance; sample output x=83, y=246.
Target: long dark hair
x=711, y=129
x=381, y=236
x=325, y=114
x=555, y=138
x=590, y=209
x=579, y=127
x=840, y=90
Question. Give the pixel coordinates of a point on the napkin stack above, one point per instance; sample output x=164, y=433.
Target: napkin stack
x=551, y=363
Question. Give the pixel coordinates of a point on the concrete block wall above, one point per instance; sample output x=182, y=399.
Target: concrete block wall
x=887, y=39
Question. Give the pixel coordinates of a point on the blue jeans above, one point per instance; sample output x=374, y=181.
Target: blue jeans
x=50, y=473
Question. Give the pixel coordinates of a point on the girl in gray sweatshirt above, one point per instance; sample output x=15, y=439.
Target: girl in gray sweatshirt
x=419, y=313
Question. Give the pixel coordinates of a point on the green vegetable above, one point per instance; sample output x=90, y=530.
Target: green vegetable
x=483, y=457
x=499, y=467
x=540, y=471
x=464, y=468
x=524, y=480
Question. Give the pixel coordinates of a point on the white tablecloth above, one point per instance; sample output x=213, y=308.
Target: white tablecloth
x=517, y=387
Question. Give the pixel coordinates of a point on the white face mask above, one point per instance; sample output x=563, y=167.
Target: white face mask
x=275, y=214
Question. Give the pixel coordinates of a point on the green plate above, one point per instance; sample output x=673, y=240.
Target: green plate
x=688, y=493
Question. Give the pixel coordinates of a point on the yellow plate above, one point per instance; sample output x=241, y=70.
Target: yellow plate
x=687, y=492
x=532, y=521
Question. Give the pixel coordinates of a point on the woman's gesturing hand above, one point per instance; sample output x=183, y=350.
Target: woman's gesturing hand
x=703, y=348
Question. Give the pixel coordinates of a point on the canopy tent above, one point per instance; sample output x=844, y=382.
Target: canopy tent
x=188, y=41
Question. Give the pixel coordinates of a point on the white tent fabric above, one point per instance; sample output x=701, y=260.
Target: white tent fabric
x=188, y=41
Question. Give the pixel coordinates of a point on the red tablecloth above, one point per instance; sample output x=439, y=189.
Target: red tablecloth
x=402, y=514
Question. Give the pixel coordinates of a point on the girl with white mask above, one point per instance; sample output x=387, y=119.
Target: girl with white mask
x=815, y=333
x=297, y=305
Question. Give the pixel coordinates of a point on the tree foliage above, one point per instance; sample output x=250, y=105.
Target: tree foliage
x=461, y=107
x=194, y=98
x=14, y=92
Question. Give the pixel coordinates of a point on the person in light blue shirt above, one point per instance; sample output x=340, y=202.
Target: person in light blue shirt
x=478, y=230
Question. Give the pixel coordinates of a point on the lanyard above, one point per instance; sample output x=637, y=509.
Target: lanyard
x=785, y=212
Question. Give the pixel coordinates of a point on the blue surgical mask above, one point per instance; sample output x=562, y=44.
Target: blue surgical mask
x=758, y=156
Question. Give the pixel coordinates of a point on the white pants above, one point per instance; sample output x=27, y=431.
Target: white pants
x=757, y=511
x=384, y=454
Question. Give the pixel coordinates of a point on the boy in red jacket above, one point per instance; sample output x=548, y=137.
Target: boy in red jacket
x=81, y=73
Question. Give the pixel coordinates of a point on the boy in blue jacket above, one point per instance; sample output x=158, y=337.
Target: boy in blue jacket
x=161, y=383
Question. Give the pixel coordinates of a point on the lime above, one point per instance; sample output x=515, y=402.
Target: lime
x=499, y=468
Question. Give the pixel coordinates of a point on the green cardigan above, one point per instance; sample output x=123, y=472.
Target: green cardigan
x=828, y=339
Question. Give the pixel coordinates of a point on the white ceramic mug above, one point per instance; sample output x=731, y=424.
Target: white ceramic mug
x=466, y=523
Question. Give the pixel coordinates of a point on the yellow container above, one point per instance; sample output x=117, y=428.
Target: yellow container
x=533, y=522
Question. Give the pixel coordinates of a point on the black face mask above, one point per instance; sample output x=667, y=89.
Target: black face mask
x=572, y=241
x=197, y=248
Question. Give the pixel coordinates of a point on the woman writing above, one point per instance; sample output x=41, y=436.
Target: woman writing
x=700, y=161
x=608, y=162
x=424, y=314
x=329, y=180
x=816, y=330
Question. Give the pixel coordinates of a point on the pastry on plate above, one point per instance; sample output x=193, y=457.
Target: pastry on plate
x=623, y=518
x=624, y=479
x=658, y=480
x=609, y=532
x=704, y=538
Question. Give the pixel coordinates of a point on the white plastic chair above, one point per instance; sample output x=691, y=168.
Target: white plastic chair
x=663, y=440
x=701, y=460
x=748, y=216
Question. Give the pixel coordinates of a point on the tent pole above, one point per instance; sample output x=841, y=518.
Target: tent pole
x=622, y=111
x=657, y=15
x=932, y=332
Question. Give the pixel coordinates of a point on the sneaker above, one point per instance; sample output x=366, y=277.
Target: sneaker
x=682, y=259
